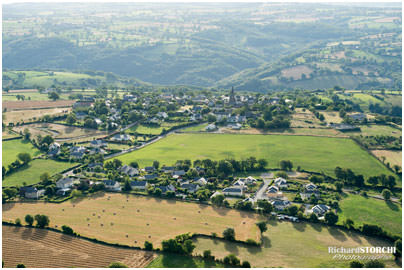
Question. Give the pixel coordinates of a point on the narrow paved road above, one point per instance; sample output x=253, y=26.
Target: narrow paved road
x=260, y=194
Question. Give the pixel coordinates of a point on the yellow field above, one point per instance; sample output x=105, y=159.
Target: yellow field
x=394, y=157
x=30, y=115
x=331, y=117
x=300, y=116
x=131, y=220
x=38, y=248
x=294, y=245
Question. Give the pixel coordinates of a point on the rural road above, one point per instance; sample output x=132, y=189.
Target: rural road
x=260, y=194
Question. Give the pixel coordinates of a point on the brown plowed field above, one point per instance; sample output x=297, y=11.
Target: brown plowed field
x=39, y=248
x=36, y=104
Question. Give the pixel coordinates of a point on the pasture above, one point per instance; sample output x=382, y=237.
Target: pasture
x=11, y=149
x=31, y=96
x=7, y=134
x=60, y=132
x=304, y=118
x=320, y=154
x=393, y=157
x=293, y=245
x=131, y=220
x=179, y=261
x=32, y=115
x=39, y=248
x=31, y=173
x=371, y=211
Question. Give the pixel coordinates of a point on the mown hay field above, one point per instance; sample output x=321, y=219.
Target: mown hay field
x=392, y=157
x=320, y=154
x=132, y=220
x=31, y=115
x=36, y=104
x=39, y=248
x=293, y=245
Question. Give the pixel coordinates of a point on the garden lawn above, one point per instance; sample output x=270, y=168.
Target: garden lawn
x=12, y=148
x=293, y=245
x=320, y=154
x=30, y=174
x=371, y=211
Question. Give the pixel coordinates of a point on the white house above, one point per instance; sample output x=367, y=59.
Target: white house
x=280, y=205
x=128, y=170
x=201, y=181
x=142, y=185
x=64, y=183
x=320, y=209
x=233, y=191
x=112, y=185
x=281, y=182
x=34, y=193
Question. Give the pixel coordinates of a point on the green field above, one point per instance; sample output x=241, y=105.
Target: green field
x=12, y=148
x=294, y=245
x=30, y=96
x=321, y=154
x=178, y=261
x=30, y=174
x=374, y=130
x=371, y=211
x=143, y=129
x=200, y=127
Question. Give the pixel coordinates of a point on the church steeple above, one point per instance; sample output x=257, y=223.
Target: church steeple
x=232, y=99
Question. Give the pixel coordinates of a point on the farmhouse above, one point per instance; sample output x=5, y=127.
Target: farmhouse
x=112, y=185
x=149, y=169
x=168, y=169
x=66, y=182
x=249, y=180
x=280, y=205
x=142, y=185
x=149, y=176
x=98, y=143
x=54, y=149
x=201, y=181
x=77, y=152
x=33, y=193
x=211, y=127
x=234, y=191
x=128, y=170
x=121, y=137
x=63, y=191
x=191, y=188
x=280, y=182
x=178, y=173
x=169, y=187
x=320, y=209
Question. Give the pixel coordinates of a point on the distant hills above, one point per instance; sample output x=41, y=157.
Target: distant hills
x=260, y=47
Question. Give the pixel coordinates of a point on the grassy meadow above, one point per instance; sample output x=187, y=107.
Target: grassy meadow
x=292, y=245
x=132, y=220
x=371, y=211
x=179, y=261
x=31, y=173
x=11, y=149
x=320, y=154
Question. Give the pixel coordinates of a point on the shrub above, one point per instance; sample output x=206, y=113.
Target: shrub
x=207, y=254
x=67, y=230
x=356, y=264
x=229, y=234
x=29, y=219
x=18, y=222
x=231, y=260
x=148, y=245
x=20, y=265
x=374, y=264
x=117, y=265
x=246, y=264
